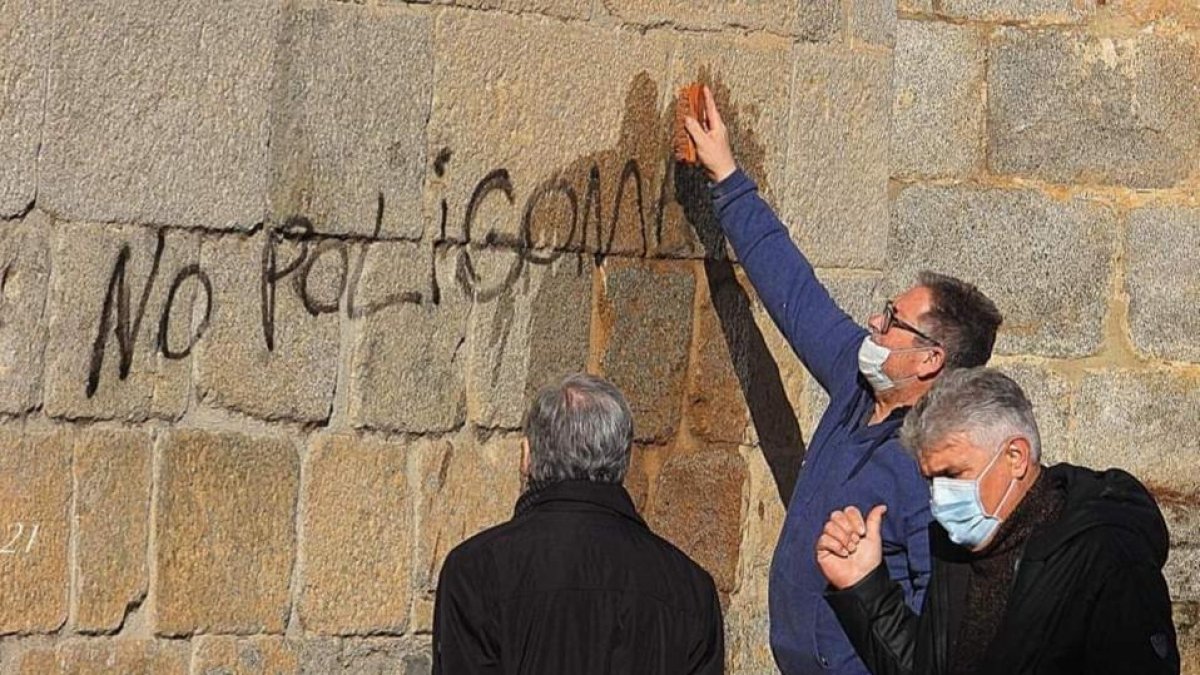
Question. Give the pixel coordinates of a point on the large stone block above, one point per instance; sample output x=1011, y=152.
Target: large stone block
x=186, y=146
x=1044, y=262
x=1147, y=423
x=501, y=164
x=349, y=152
x=35, y=499
x=729, y=353
x=808, y=19
x=1163, y=255
x=24, y=277
x=747, y=625
x=291, y=376
x=698, y=507
x=1187, y=626
x=407, y=363
x=466, y=486
x=750, y=80
x=225, y=532
x=24, y=57
x=835, y=196
x=525, y=334
x=358, y=531
x=649, y=310
x=1068, y=107
x=98, y=657
x=110, y=295
x=938, y=100
x=1057, y=11
x=1181, y=571
x=258, y=655
x=1050, y=393
x=112, y=496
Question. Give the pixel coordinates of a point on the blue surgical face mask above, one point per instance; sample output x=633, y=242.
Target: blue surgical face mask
x=956, y=505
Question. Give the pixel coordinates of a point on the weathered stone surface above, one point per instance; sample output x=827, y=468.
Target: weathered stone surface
x=747, y=640
x=1163, y=253
x=1019, y=10
x=1044, y=262
x=937, y=104
x=1181, y=571
x=1050, y=393
x=1187, y=626
x=24, y=56
x=750, y=82
x=132, y=379
x=225, y=532
x=358, y=530
x=729, y=350
x=1069, y=107
x=467, y=486
x=35, y=498
x=646, y=354
x=568, y=9
x=258, y=655
x=645, y=461
x=1147, y=423
x=873, y=21
x=24, y=277
x=809, y=19
x=349, y=152
x=112, y=497
x=405, y=656
x=525, y=335
x=294, y=378
x=487, y=63
x=187, y=146
x=407, y=365
x=96, y=657
x=835, y=197
x=859, y=296
x=703, y=488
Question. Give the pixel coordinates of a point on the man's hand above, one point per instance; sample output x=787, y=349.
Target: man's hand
x=712, y=144
x=850, y=548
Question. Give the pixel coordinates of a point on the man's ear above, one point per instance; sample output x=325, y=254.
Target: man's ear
x=1019, y=455
x=525, y=457
x=933, y=363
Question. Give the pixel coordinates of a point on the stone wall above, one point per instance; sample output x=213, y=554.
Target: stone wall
x=277, y=279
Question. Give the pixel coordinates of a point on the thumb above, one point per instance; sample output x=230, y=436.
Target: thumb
x=875, y=522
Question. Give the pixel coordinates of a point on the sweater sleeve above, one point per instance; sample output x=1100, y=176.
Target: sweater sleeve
x=824, y=337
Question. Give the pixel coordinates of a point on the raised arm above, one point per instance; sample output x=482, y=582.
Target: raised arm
x=824, y=337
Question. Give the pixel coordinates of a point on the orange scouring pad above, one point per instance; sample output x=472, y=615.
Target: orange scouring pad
x=689, y=104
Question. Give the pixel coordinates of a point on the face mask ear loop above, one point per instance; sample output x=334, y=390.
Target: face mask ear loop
x=1007, y=491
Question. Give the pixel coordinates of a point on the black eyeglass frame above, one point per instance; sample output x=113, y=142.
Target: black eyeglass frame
x=890, y=319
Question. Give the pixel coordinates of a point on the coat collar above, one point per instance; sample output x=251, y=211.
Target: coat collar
x=578, y=493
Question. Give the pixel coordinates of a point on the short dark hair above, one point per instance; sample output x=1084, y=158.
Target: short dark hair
x=961, y=318
x=579, y=429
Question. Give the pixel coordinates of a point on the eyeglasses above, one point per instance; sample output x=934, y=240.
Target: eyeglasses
x=890, y=319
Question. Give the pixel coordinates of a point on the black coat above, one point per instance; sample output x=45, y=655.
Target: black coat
x=1088, y=596
x=575, y=583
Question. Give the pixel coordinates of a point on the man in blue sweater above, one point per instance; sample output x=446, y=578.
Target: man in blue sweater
x=873, y=375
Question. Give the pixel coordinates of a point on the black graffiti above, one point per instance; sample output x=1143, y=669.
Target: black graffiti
x=293, y=251
x=164, y=322
x=126, y=328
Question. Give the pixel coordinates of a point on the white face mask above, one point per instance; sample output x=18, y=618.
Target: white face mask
x=872, y=355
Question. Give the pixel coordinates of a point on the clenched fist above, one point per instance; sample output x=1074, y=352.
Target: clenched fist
x=850, y=548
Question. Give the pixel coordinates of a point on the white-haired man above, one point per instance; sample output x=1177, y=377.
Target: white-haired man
x=1035, y=570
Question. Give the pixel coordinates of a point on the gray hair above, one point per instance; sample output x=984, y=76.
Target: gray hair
x=982, y=403
x=579, y=429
